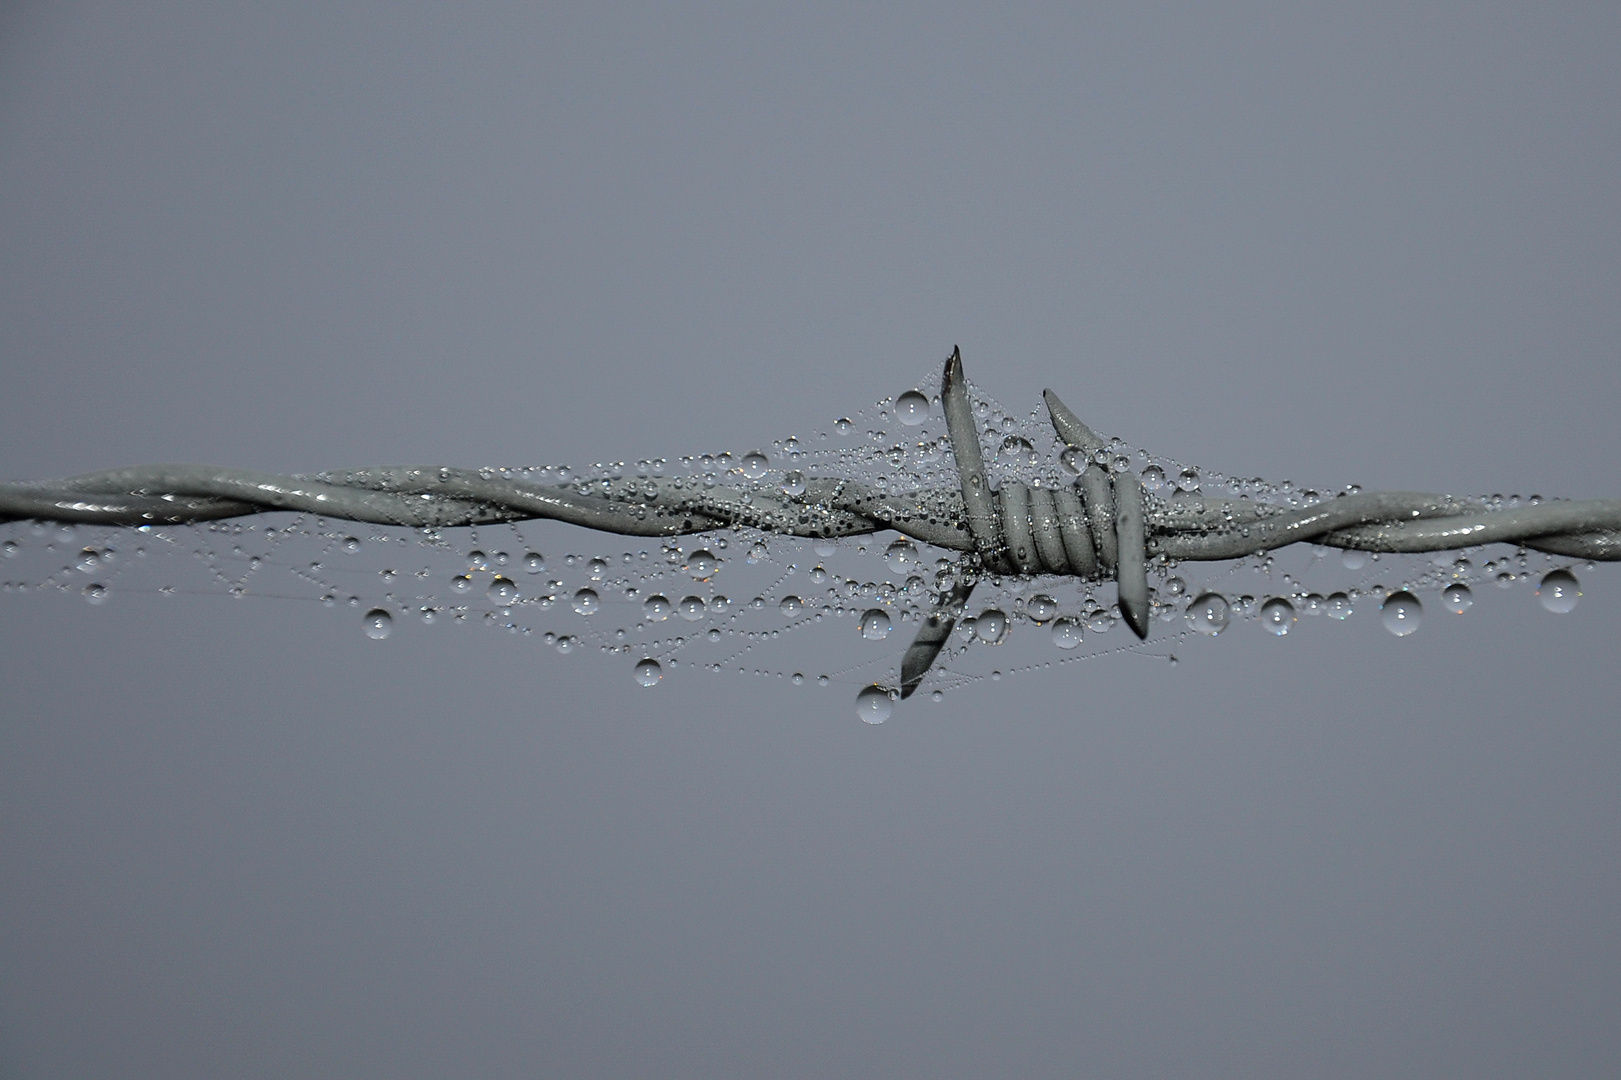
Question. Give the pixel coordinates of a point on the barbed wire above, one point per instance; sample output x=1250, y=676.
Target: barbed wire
x=1103, y=526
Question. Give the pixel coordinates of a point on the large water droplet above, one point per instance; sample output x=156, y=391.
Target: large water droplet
x=1559, y=591
x=534, y=562
x=461, y=583
x=1066, y=633
x=793, y=484
x=587, y=602
x=1278, y=616
x=1401, y=613
x=351, y=544
x=1040, y=608
x=1457, y=598
x=702, y=564
x=874, y=704
x=1337, y=606
x=790, y=605
x=656, y=608
x=901, y=554
x=691, y=608
x=754, y=465
x=1154, y=478
x=824, y=547
x=478, y=560
x=991, y=626
x=597, y=568
x=1353, y=560
x=95, y=593
x=648, y=672
x=912, y=408
x=875, y=624
x=1209, y=613
x=503, y=591
x=378, y=623
x=1017, y=450
x=1073, y=461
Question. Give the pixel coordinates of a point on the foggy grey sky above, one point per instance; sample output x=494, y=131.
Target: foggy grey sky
x=1379, y=245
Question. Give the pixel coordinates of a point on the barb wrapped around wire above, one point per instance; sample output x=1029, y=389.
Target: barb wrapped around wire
x=1102, y=527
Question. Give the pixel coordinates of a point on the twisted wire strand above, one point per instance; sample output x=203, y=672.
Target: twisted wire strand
x=1104, y=526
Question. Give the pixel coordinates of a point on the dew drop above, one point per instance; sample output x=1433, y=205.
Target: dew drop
x=1559, y=592
x=1154, y=478
x=648, y=672
x=1073, y=461
x=378, y=623
x=912, y=408
x=1337, y=606
x=1278, y=616
x=991, y=626
x=754, y=465
x=824, y=547
x=1188, y=480
x=793, y=484
x=874, y=704
x=1066, y=633
x=1401, y=613
x=1457, y=598
x=1017, y=449
x=702, y=564
x=656, y=608
x=1209, y=614
x=502, y=591
x=901, y=554
x=461, y=583
x=1041, y=607
x=351, y=544
x=95, y=593
x=790, y=605
x=534, y=562
x=875, y=624
x=478, y=560
x=1353, y=560
x=597, y=568
x=587, y=602
x=691, y=608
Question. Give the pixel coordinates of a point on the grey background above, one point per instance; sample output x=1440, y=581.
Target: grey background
x=1378, y=245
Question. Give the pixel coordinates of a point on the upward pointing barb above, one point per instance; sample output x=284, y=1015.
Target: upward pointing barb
x=978, y=503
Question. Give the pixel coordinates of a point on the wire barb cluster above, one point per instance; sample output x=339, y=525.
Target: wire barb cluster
x=1104, y=526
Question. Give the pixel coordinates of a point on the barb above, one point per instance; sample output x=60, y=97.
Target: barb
x=1104, y=525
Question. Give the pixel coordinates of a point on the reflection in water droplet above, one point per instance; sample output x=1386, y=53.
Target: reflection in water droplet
x=1040, y=608
x=991, y=627
x=1153, y=478
x=586, y=602
x=1017, y=449
x=1073, y=461
x=656, y=608
x=1278, y=616
x=1457, y=598
x=378, y=623
x=1337, y=606
x=1559, y=591
x=754, y=465
x=912, y=408
x=1066, y=633
x=534, y=562
x=691, y=608
x=901, y=554
x=790, y=605
x=1209, y=613
x=874, y=705
x=648, y=672
x=793, y=484
x=1401, y=613
x=702, y=564
x=875, y=624
x=503, y=591
x=95, y=593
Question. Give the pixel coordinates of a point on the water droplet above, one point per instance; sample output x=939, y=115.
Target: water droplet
x=798, y=678
x=790, y=605
x=1457, y=598
x=691, y=608
x=754, y=465
x=1188, y=480
x=875, y=624
x=95, y=593
x=1401, y=613
x=1278, y=616
x=991, y=626
x=586, y=602
x=702, y=564
x=1017, y=449
x=461, y=583
x=874, y=705
x=502, y=591
x=824, y=547
x=1337, y=606
x=378, y=623
x=1353, y=560
x=597, y=568
x=351, y=544
x=912, y=408
x=793, y=484
x=1066, y=633
x=1153, y=478
x=89, y=559
x=648, y=672
x=901, y=554
x=1073, y=461
x=534, y=562
x=1312, y=604
x=565, y=644
x=1559, y=591
x=1209, y=613
x=478, y=560
x=1041, y=607
x=656, y=608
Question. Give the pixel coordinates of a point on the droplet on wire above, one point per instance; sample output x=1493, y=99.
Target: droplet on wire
x=875, y=624
x=1066, y=633
x=587, y=602
x=1278, y=616
x=1559, y=592
x=1401, y=613
x=912, y=408
x=1209, y=614
x=874, y=704
x=648, y=672
x=378, y=624
x=1457, y=598
x=754, y=465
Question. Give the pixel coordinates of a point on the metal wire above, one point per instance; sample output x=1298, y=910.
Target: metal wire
x=1104, y=526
